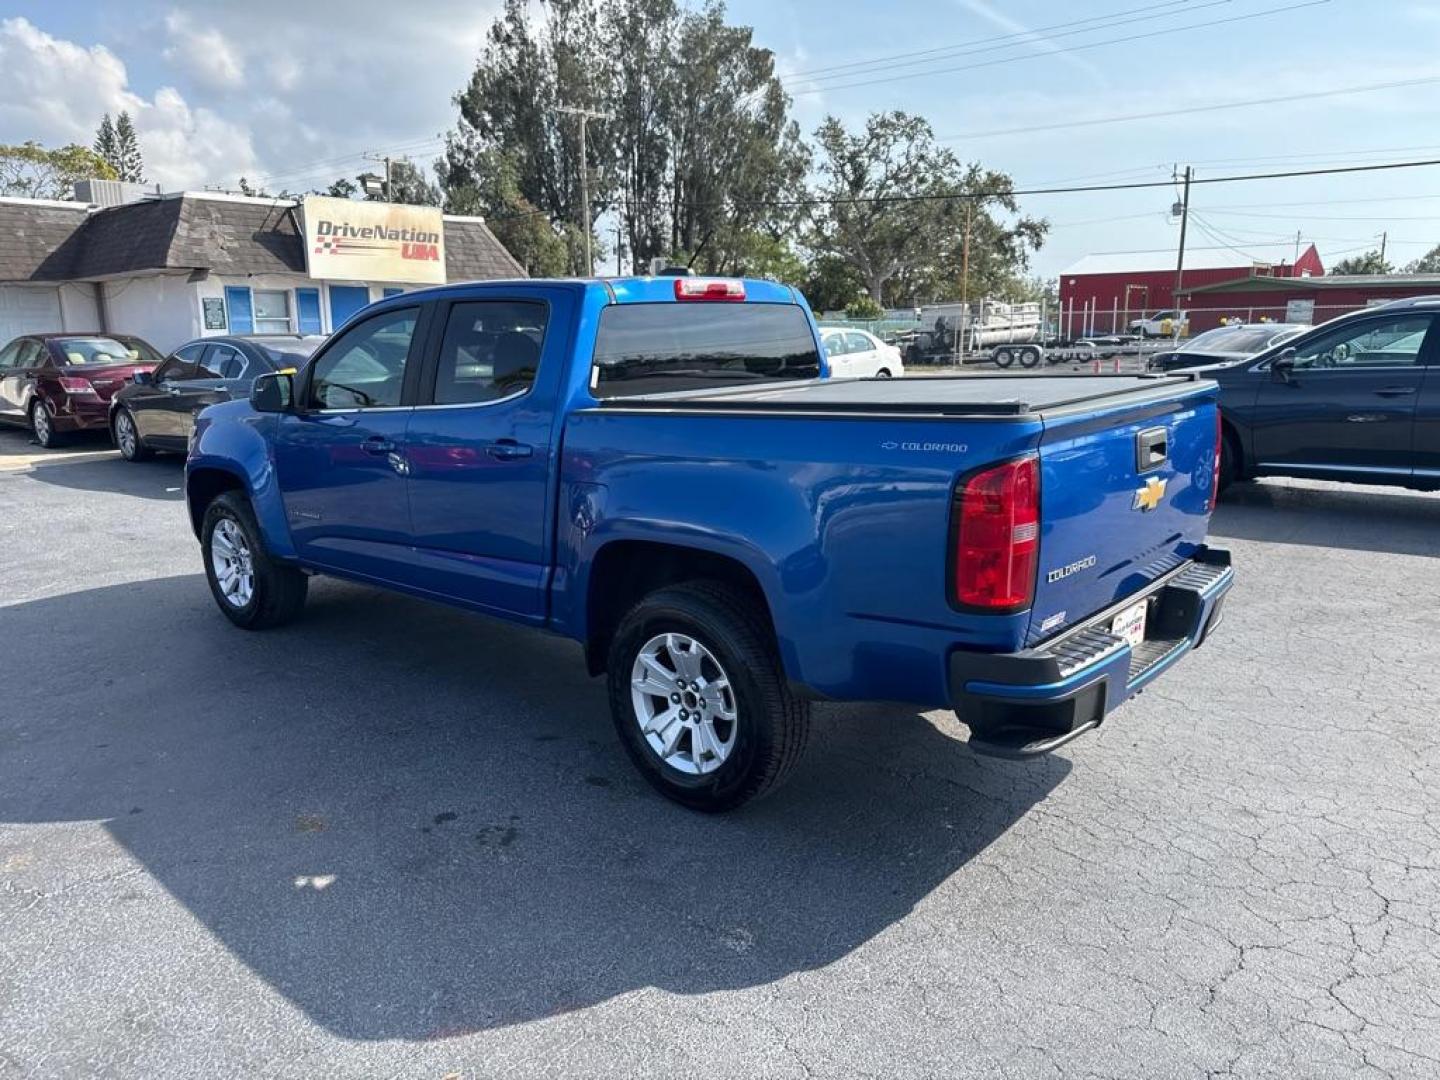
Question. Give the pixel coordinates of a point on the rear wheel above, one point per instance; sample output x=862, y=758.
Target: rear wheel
x=253, y=590
x=883, y=373
x=1029, y=358
x=127, y=437
x=1004, y=358
x=699, y=699
x=1229, y=460
x=42, y=423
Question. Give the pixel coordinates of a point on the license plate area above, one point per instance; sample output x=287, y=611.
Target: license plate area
x=1129, y=625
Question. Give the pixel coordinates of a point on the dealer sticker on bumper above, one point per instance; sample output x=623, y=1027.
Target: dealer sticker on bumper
x=1130, y=624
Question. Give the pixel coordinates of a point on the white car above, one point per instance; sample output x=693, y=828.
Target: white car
x=1155, y=325
x=858, y=354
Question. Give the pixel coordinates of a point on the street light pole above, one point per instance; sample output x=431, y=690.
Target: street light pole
x=585, y=115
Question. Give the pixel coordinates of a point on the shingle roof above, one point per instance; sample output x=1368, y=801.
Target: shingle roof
x=37, y=239
x=50, y=242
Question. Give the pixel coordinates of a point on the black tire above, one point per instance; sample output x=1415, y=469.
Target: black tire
x=141, y=452
x=772, y=725
x=1004, y=358
x=1229, y=461
x=278, y=591
x=1029, y=358
x=42, y=425
x=883, y=373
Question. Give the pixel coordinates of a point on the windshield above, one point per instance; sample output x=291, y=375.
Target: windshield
x=78, y=352
x=1234, y=339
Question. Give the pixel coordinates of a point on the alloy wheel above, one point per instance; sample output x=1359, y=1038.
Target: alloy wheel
x=684, y=703
x=233, y=563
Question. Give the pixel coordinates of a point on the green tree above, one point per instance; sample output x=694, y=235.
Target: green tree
x=342, y=188
x=106, y=147
x=1429, y=263
x=409, y=185
x=32, y=171
x=897, y=205
x=862, y=307
x=831, y=283
x=129, y=165
x=526, y=231
x=1372, y=262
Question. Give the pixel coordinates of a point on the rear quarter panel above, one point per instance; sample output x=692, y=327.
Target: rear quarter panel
x=843, y=521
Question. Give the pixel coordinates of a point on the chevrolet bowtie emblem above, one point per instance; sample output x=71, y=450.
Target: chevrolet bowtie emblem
x=1149, y=496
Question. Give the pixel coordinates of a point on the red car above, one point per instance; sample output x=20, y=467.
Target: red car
x=58, y=383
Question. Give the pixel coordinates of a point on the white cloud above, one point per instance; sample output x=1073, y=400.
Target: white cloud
x=57, y=92
x=205, y=55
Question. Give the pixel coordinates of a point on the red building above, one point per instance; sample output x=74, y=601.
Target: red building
x=1298, y=300
x=1103, y=293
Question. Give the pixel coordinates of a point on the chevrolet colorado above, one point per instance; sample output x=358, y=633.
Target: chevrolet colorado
x=659, y=469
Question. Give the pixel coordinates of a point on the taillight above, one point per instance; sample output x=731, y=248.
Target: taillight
x=1215, y=472
x=699, y=288
x=73, y=384
x=997, y=537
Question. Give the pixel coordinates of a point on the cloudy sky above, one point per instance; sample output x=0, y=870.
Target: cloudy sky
x=291, y=94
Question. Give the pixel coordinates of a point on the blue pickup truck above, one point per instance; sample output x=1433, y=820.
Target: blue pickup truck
x=659, y=469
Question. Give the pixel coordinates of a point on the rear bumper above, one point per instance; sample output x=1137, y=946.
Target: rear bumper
x=83, y=412
x=1031, y=702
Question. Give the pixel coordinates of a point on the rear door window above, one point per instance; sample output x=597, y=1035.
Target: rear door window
x=491, y=350
x=655, y=348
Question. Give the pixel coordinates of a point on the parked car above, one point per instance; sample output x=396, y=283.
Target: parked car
x=55, y=384
x=859, y=354
x=157, y=410
x=654, y=468
x=1356, y=399
x=1224, y=343
x=1161, y=324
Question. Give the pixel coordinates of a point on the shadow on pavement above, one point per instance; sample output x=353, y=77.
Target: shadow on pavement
x=1332, y=516
x=416, y=824
x=160, y=477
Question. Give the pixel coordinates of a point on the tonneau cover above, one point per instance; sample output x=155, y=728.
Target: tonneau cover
x=956, y=395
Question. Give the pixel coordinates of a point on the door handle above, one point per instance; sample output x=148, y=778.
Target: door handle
x=377, y=444
x=1395, y=391
x=508, y=449
x=1366, y=418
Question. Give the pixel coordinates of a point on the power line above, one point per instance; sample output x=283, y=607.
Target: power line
x=1017, y=40
x=1082, y=189
x=1215, y=107
x=1127, y=39
x=414, y=146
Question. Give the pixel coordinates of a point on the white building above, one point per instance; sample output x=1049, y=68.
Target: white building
x=169, y=268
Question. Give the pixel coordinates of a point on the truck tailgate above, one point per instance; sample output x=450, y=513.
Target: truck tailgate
x=1124, y=498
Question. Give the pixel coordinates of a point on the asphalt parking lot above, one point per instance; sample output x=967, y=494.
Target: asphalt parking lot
x=396, y=840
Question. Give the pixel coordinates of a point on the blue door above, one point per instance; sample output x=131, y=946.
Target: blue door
x=345, y=301
x=339, y=459
x=480, y=450
x=307, y=307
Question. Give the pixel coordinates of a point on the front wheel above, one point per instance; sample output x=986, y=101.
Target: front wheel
x=127, y=437
x=1004, y=358
x=1229, y=462
x=883, y=373
x=253, y=590
x=699, y=699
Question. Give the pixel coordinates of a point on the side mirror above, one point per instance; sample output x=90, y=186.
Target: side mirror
x=1283, y=366
x=143, y=378
x=273, y=392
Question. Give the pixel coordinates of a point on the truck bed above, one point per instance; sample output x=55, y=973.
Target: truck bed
x=955, y=395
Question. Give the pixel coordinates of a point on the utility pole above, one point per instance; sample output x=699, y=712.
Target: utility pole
x=1384, y=240
x=389, y=190
x=1180, y=261
x=1297, y=250
x=965, y=278
x=585, y=115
